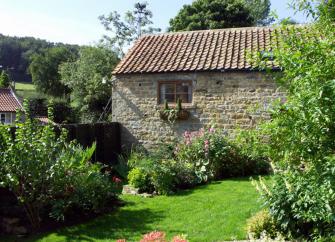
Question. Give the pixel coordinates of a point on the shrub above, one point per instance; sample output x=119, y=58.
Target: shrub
x=261, y=223
x=302, y=201
x=158, y=171
x=164, y=176
x=300, y=138
x=63, y=112
x=50, y=176
x=138, y=178
x=214, y=156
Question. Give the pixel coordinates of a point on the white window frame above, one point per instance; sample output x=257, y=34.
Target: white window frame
x=8, y=117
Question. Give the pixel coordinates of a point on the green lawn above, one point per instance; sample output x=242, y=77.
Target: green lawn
x=213, y=212
x=25, y=90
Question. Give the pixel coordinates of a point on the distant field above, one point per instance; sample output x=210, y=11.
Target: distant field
x=25, y=90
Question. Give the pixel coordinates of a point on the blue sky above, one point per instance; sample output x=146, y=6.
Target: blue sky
x=76, y=21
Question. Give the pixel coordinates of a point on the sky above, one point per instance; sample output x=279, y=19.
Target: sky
x=76, y=21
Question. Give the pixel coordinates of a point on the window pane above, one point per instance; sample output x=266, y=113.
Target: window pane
x=184, y=92
x=169, y=98
x=183, y=97
x=2, y=118
x=169, y=88
x=182, y=88
x=172, y=91
x=8, y=118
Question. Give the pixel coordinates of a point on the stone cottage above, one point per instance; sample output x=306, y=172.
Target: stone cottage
x=207, y=70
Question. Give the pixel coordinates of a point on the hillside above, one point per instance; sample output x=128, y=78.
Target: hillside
x=16, y=53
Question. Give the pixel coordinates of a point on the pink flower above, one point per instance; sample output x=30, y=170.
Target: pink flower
x=187, y=134
x=155, y=236
x=211, y=130
x=121, y=240
x=206, y=144
x=116, y=180
x=179, y=239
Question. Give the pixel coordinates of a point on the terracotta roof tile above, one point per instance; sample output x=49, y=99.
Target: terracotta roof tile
x=8, y=101
x=223, y=49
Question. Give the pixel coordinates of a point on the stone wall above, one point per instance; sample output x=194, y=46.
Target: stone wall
x=230, y=100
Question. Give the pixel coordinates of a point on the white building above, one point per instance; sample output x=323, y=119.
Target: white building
x=9, y=104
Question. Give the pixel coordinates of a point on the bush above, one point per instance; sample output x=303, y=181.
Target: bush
x=300, y=138
x=62, y=111
x=261, y=223
x=302, y=201
x=138, y=178
x=50, y=176
x=213, y=156
x=156, y=171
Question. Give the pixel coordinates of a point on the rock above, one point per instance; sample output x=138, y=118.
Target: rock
x=146, y=195
x=127, y=189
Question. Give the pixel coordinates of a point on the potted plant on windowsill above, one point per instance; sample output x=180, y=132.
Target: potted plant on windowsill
x=174, y=114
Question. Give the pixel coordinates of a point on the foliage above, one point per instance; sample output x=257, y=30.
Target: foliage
x=62, y=111
x=84, y=77
x=159, y=171
x=260, y=10
x=213, y=212
x=299, y=139
x=214, y=156
x=261, y=223
x=139, y=179
x=16, y=53
x=124, y=32
x=173, y=114
x=202, y=156
x=4, y=79
x=49, y=175
x=217, y=14
x=44, y=70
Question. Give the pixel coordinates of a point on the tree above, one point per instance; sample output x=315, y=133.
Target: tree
x=217, y=14
x=124, y=32
x=288, y=21
x=212, y=14
x=4, y=79
x=44, y=70
x=260, y=10
x=85, y=78
x=16, y=53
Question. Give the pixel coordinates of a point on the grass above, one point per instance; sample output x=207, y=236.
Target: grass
x=212, y=212
x=25, y=90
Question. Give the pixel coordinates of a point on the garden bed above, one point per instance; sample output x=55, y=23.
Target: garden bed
x=213, y=212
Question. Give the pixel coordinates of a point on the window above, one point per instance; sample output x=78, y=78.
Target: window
x=173, y=90
x=2, y=118
x=6, y=118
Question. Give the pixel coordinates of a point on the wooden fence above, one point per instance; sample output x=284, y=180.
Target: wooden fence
x=107, y=137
